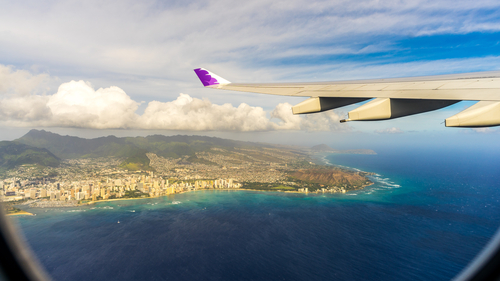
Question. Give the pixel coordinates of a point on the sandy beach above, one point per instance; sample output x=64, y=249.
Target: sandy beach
x=21, y=213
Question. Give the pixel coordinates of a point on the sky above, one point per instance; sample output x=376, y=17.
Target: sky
x=95, y=68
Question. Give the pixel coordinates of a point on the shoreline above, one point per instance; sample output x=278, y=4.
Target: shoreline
x=21, y=213
x=320, y=157
x=121, y=199
x=231, y=189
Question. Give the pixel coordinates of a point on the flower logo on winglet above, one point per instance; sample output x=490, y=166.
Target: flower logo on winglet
x=205, y=77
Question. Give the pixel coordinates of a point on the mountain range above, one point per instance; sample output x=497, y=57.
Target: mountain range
x=47, y=149
x=133, y=149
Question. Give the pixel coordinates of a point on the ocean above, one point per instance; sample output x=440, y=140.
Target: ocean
x=428, y=214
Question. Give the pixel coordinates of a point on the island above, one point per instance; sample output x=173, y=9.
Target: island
x=65, y=171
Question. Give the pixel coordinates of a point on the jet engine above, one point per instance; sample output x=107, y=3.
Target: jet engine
x=387, y=108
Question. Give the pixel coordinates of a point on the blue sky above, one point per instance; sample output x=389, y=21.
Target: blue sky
x=134, y=59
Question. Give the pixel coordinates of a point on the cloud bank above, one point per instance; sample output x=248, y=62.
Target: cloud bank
x=78, y=104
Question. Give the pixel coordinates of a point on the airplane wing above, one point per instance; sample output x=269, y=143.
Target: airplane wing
x=392, y=98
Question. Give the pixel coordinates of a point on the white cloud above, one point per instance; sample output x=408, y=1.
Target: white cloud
x=392, y=130
x=288, y=120
x=78, y=104
x=21, y=82
x=187, y=113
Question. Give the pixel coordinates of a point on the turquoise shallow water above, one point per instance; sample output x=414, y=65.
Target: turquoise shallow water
x=426, y=216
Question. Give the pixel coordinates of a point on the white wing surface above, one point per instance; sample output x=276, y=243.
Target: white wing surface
x=393, y=98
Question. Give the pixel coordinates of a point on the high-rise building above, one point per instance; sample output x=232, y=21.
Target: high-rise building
x=33, y=193
x=43, y=193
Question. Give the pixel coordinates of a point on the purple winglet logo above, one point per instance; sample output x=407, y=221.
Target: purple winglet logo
x=205, y=77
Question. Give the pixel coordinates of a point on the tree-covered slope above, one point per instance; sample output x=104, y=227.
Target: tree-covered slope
x=13, y=154
x=133, y=149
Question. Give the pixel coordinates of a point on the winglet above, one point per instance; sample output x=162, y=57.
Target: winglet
x=209, y=79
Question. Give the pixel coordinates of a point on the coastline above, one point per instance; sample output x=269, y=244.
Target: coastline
x=320, y=159
x=118, y=199
x=21, y=213
x=121, y=199
x=229, y=189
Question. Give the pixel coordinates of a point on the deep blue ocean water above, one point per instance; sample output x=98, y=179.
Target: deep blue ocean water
x=428, y=214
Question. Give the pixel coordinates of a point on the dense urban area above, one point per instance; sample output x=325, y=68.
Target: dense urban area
x=84, y=180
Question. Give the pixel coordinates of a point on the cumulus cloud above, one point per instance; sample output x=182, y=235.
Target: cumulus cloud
x=78, y=104
x=20, y=82
x=392, y=130
x=187, y=113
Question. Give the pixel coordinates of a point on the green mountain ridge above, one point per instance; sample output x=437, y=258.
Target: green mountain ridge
x=14, y=154
x=134, y=149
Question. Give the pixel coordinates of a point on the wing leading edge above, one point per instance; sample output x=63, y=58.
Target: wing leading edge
x=393, y=98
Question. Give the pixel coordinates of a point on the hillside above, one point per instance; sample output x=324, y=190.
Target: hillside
x=332, y=177
x=322, y=148
x=68, y=147
x=189, y=149
x=133, y=149
x=13, y=154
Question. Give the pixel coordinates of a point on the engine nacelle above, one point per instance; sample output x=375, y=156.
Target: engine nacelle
x=387, y=108
x=481, y=114
x=318, y=104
